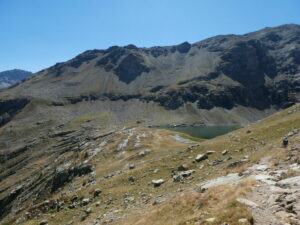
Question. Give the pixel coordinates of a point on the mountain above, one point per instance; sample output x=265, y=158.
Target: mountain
x=11, y=77
x=84, y=124
x=235, y=78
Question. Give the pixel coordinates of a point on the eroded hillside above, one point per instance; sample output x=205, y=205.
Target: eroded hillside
x=114, y=177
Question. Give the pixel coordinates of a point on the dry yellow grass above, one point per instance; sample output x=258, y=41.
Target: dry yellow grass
x=192, y=207
x=264, y=139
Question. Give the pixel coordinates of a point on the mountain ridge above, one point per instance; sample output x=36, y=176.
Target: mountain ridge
x=11, y=77
x=257, y=72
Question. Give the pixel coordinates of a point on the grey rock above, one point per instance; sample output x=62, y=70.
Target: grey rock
x=243, y=220
x=210, y=152
x=292, y=181
x=201, y=157
x=225, y=152
x=144, y=152
x=88, y=211
x=218, y=161
x=73, y=205
x=97, y=192
x=229, y=179
x=155, y=171
x=181, y=176
x=85, y=201
x=129, y=199
x=236, y=163
x=132, y=166
x=183, y=167
x=292, y=133
x=43, y=222
x=247, y=202
x=158, y=182
x=210, y=220
x=187, y=173
x=66, y=174
x=159, y=199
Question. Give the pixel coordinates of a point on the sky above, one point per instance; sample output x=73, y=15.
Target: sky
x=35, y=34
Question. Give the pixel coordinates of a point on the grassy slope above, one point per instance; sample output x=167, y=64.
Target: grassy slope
x=263, y=138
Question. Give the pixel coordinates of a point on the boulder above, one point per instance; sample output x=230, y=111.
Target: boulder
x=159, y=199
x=292, y=133
x=180, y=176
x=97, y=192
x=210, y=152
x=243, y=220
x=88, y=211
x=129, y=199
x=144, y=152
x=236, y=163
x=210, y=220
x=155, y=171
x=132, y=166
x=73, y=205
x=158, y=182
x=247, y=202
x=43, y=222
x=187, y=173
x=85, y=201
x=225, y=152
x=218, y=161
x=201, y=157
x=183, y=167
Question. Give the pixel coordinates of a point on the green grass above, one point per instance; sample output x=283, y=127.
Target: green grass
x=187, y=136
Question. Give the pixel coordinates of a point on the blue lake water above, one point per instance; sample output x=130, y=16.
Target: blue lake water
x=206, y=132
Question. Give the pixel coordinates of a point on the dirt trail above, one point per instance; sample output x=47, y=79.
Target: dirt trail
x=274, y=201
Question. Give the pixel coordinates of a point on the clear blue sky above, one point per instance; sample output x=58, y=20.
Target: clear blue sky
x=38, y=33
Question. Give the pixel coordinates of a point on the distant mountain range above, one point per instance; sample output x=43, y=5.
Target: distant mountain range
x=10, y=77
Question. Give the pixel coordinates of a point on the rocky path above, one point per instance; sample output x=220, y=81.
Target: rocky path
x=274, y=201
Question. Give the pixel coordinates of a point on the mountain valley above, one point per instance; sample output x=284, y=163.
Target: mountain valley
x=81, y=142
